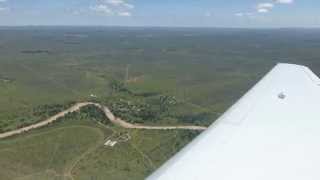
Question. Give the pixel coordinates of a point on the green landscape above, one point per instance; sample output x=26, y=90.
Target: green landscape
x=146, y=76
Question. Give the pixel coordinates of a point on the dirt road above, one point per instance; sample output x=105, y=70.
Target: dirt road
x=107, y=112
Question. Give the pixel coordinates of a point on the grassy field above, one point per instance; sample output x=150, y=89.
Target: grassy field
x=136, y=159
x=165, y=76
x=73, y=149
x=48, y=151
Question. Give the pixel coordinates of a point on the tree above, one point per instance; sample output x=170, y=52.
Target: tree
x=166, y=101
x=117, y=86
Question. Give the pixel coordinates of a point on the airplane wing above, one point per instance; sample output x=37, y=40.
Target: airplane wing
x=271, y=133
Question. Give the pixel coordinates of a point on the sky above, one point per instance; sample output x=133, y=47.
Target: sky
x=176, y=13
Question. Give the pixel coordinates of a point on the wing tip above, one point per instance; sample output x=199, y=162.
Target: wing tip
x=280, y=64
x=303, y=68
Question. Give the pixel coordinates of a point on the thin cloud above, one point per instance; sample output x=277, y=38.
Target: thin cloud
x=242, y=14
x=264, y=7
x=239, y=14
x=263, y=10
x=124, y=14
x=283, y=1
x=113, y=8
x=3, y=9
x=102, y=8
x=120, y=3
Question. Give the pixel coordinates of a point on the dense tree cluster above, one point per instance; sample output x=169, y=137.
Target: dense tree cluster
x=201, y=119
x=46, y=110
x=142, y=109
x=165, y=102
x=134, y=111
x=117, y=86
x=93, y=113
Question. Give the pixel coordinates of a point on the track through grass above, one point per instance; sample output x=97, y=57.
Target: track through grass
x=39, y=154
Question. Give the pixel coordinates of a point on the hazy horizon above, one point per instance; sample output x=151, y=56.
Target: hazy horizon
x=142, y=13
x=161, y=27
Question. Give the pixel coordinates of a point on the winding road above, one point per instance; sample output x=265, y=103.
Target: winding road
x=115, y=120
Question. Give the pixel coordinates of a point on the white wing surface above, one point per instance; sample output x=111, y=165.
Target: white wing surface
x=271, y=133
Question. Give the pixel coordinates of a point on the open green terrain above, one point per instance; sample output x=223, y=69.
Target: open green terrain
x=153, y=76
x=47, y=153
x=73, y=148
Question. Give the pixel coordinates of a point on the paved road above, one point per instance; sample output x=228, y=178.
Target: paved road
x=107, y=112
